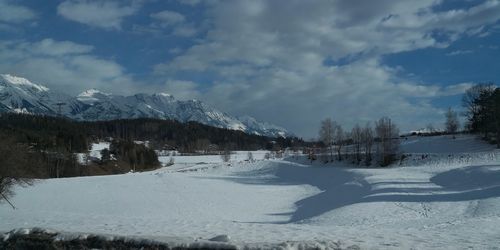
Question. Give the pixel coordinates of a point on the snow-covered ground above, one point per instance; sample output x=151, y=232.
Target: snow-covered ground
x=236, y=156
x=444, y=144
x=203, y=162
x=418, y=205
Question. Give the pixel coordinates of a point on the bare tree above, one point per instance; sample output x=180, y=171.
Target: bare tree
x=430, y=128
x=15, y=166
x=327, y=133
x=171, y=161
x=356, y=136
x=250, y=156
x=345, y=143
x=388, y=136
x=452, y=122
x=296, y=154
x=105, y=155
x=367, y=139
x=324, y=154
x=267, y=156
x=278, y=154
x=226, y=155
x=340, y=139
x=203, y=145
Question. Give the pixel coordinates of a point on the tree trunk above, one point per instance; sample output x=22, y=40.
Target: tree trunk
x=5, y=198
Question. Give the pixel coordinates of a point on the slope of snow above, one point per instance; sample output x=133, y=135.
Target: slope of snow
x=265, y=203
x=444, y=144
x=263, y=128
x=158, y=204
x=205, y=162
x=236, y=156
x=194, y=110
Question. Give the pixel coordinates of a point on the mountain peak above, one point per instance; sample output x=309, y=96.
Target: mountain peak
x=91, y=92
x=263, y=128
x=19, y=81
x=91, y=96
x=165, y=94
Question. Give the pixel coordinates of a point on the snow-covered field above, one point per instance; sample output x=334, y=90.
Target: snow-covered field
x=236, y=156
x=422, y=204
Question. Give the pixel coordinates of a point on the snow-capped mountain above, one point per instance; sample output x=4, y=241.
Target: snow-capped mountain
x=91, y=96
x=20, y=95
x=262, y=128
x=104, y=106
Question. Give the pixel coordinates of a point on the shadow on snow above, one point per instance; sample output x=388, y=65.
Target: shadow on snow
x=340, y=187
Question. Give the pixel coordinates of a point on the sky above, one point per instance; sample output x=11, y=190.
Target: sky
x=288, y=62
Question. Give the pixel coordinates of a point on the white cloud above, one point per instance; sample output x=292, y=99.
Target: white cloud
x=459, y=52
x=456, y=89
x=259, y=32
x=169, y=23
x=175, y=50
x=106, y=14
x=359, y=92
x=168, y=17
x=57, y=48
x=190, y=2
x=182, y=90
x=14, y=13
x=64, y=65
x=268, y=58
x=7, y=28
x=185, y=31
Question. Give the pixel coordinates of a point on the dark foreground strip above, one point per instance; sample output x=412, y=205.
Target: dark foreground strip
x=44, y=240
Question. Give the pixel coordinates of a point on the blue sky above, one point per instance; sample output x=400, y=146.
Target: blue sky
x=292, y=63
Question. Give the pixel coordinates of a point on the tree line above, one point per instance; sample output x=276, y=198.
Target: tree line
x=47, y=132
x=362, y=144
x=186, y=137
x=482, y=111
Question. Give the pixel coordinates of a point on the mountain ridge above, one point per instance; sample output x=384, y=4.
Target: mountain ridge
x=20, y=95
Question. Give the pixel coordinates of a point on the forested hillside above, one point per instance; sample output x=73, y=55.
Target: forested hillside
x=60, y=133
